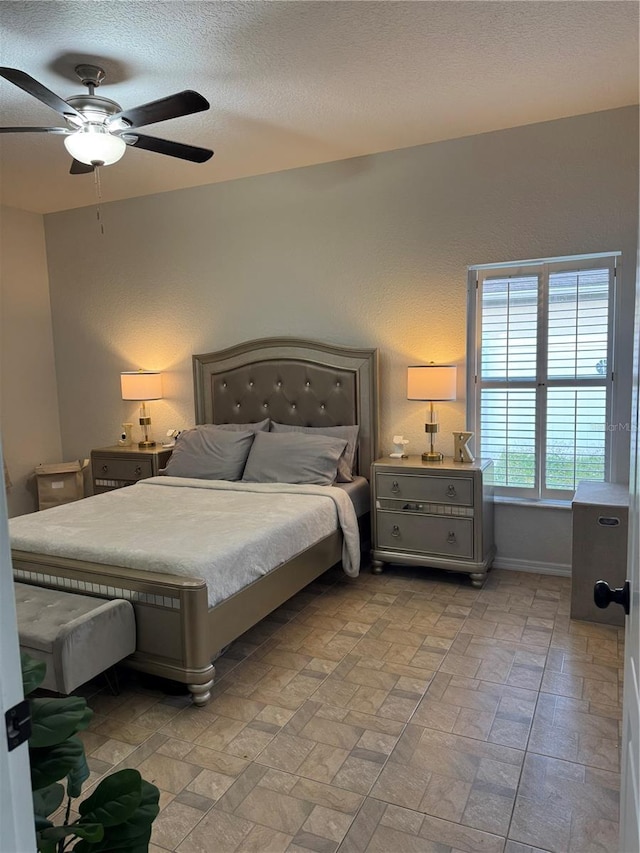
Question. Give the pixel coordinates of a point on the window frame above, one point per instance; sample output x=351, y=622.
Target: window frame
x=542, y=268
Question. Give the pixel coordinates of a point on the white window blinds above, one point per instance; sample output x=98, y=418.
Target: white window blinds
x=543, y=347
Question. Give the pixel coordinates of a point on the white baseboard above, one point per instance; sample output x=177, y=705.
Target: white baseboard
x=516, y=565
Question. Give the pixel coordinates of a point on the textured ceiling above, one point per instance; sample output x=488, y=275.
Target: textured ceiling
x=296, y=83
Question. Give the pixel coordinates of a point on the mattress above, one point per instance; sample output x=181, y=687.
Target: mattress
x=359, y=493
x=230, y=534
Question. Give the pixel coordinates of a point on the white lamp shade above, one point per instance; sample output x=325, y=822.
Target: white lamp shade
x=141, y=384
x=431, y=382
x=94, y=145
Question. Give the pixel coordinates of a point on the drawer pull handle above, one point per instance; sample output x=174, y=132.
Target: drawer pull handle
x=395, y=487
x=395, y=531
x=138, y=470
x=105, y=468
x=451, y=538
x=451, y=491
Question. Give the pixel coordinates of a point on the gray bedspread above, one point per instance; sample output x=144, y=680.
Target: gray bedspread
x=228, y=533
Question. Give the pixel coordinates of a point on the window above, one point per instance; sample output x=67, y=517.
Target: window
x=542, y=334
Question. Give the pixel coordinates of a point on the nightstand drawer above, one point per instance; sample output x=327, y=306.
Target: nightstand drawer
x=426, y=534
x=117, y=466
x=431, y=489
x=121, y=469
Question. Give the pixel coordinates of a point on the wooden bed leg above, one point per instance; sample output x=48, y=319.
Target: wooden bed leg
x=200, y=693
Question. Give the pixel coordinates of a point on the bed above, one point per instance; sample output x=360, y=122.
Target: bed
x=180, y=628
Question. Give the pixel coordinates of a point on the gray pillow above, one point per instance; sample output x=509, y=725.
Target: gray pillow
x=350, y=433
x=209, y=453
x=260, y=426
x=293, y=458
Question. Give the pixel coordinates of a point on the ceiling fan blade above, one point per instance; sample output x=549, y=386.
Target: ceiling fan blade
x=78, y=168
x=62, y=130
x=172, y=149
x=32, y=87
x=181, y=104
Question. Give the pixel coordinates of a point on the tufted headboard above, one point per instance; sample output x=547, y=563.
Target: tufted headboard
x=292, y=381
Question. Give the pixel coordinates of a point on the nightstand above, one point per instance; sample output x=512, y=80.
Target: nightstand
x=436, y=514
x=115, y=467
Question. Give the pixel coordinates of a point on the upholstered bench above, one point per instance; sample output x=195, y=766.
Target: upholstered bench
x=77, y=636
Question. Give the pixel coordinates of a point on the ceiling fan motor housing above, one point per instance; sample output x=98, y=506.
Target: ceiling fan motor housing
x=95, y=108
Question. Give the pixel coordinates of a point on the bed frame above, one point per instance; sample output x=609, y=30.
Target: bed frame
x=292, y=381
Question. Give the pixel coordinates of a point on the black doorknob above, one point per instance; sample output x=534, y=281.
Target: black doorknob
x=603, y=595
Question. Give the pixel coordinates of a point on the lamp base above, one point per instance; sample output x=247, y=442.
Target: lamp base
x=432, y=456
x=144, y=444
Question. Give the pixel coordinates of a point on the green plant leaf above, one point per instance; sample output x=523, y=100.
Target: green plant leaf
x=133, y=835
x=114, y=800
x=51, y=764
x=33, y=672
x=126, y=838
x=46, y=845
x=79, y=774
x=92, y=832
x=47, y=800
x=54, y=720
x=41, y=822
x=55, y=833
x=149, y=808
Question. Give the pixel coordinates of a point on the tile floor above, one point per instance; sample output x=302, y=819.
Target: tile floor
x=402, y=713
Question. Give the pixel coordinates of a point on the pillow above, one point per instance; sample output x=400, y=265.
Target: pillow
x=293, y=458
x=261, y=426
x=350, y=433
x=209, y=453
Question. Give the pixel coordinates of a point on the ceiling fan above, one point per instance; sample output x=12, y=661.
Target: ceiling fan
x=98, y=129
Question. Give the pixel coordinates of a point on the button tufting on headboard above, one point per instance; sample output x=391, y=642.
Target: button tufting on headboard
x=296, y=382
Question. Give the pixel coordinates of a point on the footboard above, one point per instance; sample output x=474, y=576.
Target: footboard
x=171, y=613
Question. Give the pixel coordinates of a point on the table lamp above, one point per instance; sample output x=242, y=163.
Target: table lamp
x=431, y=383
x=142, y=385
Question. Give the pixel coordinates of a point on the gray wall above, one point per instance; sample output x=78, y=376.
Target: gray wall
x=365, y=252
x=29, y=415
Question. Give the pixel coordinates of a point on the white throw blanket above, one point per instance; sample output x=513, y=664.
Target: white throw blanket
x=228, y=533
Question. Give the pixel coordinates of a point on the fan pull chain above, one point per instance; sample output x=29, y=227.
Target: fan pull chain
x=98, y=185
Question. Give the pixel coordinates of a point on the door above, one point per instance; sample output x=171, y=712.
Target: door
x=630, y=788
x=16, y=813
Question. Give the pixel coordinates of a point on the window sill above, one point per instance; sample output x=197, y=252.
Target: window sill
x=532, y=502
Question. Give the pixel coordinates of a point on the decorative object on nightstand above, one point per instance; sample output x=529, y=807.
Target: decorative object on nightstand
x=436, y=514
x=142, y=385
x=117, y=466
x=431, y=383
x=461, y=452
x=399, y=444
x=172, y=435
x=126, y=438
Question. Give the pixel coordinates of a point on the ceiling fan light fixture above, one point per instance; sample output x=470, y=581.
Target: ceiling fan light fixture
x=95, y=146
